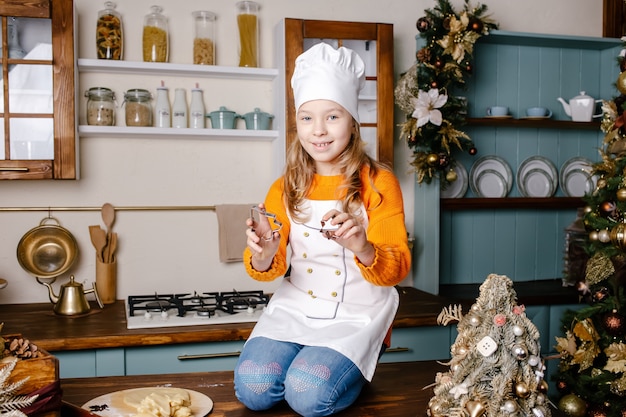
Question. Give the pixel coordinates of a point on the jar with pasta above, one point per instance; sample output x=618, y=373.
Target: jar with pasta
x=100, y=106
x=138, y=104
x=248, y=25
x=109, y=33
x=204, y=37
x=155, y=36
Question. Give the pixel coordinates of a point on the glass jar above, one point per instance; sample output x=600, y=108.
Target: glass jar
x=109, y=35
x=138, y=107
x=155, y=36
x=204, y=38
x=100, y=106
x=247, y=22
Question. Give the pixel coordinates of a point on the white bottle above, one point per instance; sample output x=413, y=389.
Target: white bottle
x=179, y=110
x=162, y=110
x=196, y=109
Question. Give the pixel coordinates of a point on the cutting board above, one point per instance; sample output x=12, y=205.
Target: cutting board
x=112, y=404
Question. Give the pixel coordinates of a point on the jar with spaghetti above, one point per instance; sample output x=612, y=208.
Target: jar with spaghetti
x=155, y=36
x=138, y=104
x=248, y=24
x=109, y=33
x=204, y=37
x=100, y=106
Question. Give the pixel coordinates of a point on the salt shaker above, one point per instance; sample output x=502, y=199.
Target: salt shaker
x=179, y=110
x=162, y=109
x=196, y=109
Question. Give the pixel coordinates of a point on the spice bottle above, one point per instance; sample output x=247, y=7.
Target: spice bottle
x=162, y=111
x=204, y=38
x=196, y=109
x=100, y=106
x=247, y=22
x=155, y=36
x=179, y=110
x=109, y=33
x=138, y=107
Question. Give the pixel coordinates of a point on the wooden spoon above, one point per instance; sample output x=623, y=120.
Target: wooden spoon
x=108, y=217
x=99, y=240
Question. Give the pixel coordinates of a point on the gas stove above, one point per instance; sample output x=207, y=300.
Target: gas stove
x=194, y=309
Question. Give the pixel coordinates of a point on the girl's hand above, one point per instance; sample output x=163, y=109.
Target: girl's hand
x=350, y=234
x=262, y=239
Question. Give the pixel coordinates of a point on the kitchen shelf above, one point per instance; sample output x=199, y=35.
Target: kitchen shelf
x=533, y=123
x=86, y=131
x=543, y=203
x=170, y=69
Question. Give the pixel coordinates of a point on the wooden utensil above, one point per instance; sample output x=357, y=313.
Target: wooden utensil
x=98, y=239
x=112, y=247
x=108, y=217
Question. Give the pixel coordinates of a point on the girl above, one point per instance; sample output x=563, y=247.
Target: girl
x=319, y=340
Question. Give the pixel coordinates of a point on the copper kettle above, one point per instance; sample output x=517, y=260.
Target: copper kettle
x=72, y=299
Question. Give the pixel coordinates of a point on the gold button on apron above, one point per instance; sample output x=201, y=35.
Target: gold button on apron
x=304, y=255
x=337, y=272
x=309, y=270
x=306, y=234
x=334, y=294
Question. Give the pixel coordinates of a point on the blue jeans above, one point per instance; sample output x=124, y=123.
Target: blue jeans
x=315, y=381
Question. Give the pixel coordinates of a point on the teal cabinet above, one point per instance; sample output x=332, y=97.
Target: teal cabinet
x=418, y=344
x=519, y=237
x=90, y=363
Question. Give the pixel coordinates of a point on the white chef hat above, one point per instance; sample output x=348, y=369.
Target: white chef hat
x=325, y=73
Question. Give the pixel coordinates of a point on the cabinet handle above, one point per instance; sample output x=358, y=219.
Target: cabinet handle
x=209, y=355
x=22, y=169
x=397, y=350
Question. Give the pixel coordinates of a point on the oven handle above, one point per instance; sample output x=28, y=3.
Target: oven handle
x=209, y=355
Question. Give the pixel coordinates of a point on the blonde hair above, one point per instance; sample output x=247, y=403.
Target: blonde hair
x=300, y=170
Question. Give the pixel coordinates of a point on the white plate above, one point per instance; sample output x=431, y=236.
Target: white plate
x=458, y=188
x=495, y=163
x=537, y=182
x=576, y=178
x=491, y=184
x=201, y=405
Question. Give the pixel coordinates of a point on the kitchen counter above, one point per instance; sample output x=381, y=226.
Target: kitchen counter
x=106, y=328
x=397, y=390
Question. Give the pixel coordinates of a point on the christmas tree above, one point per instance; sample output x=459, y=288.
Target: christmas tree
x=592, y=370
x=496, y=368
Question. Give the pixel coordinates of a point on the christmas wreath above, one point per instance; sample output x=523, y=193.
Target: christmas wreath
x=434, y=115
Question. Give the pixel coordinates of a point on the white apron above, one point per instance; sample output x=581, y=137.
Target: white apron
x=325, y=301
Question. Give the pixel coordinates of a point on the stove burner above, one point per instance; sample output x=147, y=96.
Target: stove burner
x=203, y=304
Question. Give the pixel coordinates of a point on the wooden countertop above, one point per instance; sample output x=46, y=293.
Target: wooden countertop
x=397, y=390
x=106, y=328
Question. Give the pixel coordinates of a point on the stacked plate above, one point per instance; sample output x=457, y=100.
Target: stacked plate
x=537, y=177
x=491, y=177
x=576, y=178
x=458, y=188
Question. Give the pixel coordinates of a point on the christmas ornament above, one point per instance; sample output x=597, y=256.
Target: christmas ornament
x=510, y=406
x=521, y=390
x=432, y=159
x=614, y=323
x=573, y=405
x=604, y=236
x=518, y=330
x=601, y=183
x=621, y=83
x=451, y=176
x=475, y=408
x=618, y=236
x=621, y=194
x=562, y=386
x=520, y=352
x=608, y=208
x=473, y=151
x=600, y=294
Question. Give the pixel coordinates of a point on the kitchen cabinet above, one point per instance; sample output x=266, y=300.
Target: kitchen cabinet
x=374, y=44
x=38, y=102
x=418, y=343
x=461, y=241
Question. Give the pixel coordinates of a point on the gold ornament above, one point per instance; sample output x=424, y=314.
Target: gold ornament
x=618, y=236
x=621, y=194
x=542, y=387
x=475, y=408
x=432, y=159
x=601, y=183
x=521, y=390
x=573, y=405
x=451, y=176
x=621, y=83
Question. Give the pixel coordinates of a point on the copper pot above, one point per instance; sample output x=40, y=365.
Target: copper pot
x=47, y=250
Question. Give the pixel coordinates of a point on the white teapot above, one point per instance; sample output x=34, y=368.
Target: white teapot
x=581, y=107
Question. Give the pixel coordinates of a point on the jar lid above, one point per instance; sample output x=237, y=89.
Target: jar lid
x=100, y=92
x=204, y=14
x=137, y=94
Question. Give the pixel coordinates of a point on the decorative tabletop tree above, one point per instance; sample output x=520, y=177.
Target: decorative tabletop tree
x=496, y=369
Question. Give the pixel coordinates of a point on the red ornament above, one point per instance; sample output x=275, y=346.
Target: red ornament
x=473, y=151
x=607, y=208
x=476, y=25
x=562, y=386
x=438, y=63
x=614, y=323
x=434, y=84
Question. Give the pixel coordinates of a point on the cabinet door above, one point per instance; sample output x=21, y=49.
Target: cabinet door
x=37, y=93
x=374, y=43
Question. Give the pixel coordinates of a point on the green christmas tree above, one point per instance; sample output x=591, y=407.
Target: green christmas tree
x=592, y=371
x=496, y=369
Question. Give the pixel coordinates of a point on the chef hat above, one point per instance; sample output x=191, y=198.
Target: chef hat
x=325, y=73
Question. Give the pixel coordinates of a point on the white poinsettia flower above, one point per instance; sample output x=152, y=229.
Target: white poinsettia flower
x=426, y=105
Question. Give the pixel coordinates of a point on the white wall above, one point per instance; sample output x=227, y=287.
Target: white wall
x=177, y=251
